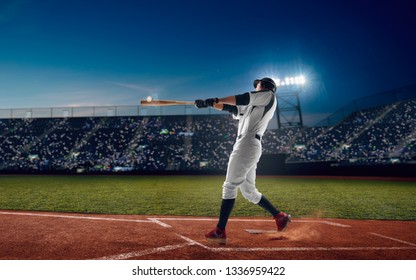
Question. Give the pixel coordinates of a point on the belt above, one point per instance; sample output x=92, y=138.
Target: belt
x=258, y=137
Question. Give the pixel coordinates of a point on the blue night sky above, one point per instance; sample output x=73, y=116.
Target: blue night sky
x=94, y=53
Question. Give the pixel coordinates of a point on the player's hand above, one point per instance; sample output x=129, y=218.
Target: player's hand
x=211, y=101
x=200, y=104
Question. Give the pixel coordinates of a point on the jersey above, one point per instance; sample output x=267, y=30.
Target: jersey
x=254, y=117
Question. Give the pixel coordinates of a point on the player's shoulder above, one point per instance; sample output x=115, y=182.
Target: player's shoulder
x=261, y=91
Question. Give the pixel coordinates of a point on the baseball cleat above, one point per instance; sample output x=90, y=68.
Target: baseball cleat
x=217, y=235
x=282, y=220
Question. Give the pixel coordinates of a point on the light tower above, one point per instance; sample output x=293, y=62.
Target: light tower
x=288, y=110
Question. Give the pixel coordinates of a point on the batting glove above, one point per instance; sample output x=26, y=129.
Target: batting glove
x=200, y=104
x=210, y=101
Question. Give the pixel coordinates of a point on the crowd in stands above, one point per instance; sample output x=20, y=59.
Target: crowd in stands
x=191, y=143
x=379, y=135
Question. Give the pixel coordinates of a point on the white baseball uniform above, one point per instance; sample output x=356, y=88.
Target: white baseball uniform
x=253, y=121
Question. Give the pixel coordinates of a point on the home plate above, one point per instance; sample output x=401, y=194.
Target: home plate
x=259, y=231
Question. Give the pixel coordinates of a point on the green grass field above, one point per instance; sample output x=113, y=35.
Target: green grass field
x=201, y=196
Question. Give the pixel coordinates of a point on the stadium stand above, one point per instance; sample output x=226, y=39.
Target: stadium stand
x=199, y=143
x=379, y=135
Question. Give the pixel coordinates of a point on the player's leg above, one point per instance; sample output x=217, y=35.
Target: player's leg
x=268, y=206
x=218, y=234
x=248, y=187
x=250, y=192
x=241, y=161
x=227, y=206
x=240, y=164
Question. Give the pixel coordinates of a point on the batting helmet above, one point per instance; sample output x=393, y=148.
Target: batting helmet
x=267, y=83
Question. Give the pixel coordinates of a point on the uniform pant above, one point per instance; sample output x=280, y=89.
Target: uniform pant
x=241, y=171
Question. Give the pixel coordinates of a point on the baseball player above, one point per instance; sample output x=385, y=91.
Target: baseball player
x=253, y=110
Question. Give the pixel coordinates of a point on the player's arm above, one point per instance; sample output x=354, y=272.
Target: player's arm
x=228, y=103
x=234, y=100
x=216, y=103
x=223, y=103
x=231, y=102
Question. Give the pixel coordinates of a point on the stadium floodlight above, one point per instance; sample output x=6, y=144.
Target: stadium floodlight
x=288, y=81
x=288, y=109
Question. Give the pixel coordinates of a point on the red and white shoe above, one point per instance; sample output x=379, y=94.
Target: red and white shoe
x=217, y=235
x=282, y=220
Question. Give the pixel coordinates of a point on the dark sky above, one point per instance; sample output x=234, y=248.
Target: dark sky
x=92, y=53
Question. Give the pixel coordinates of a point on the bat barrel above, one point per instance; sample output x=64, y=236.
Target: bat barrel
x=164, y=103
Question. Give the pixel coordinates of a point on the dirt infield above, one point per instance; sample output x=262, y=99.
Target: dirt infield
x=56, y=236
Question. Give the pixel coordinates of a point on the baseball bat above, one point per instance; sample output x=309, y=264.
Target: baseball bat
x=165, y=103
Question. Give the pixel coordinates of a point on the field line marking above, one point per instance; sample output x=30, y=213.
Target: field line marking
x=291, y=249
x=260, y=231
x=328, y=223
x=193, y=242
x=130, y=255
x=156, y=220
x=73, y=217
x=124, y=256
x=394, y=239
x=187, y=219
x=254, y=220
x=159, y=220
